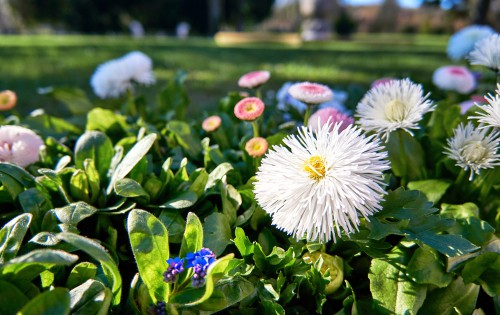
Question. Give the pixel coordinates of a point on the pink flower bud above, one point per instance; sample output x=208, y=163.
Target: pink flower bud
x=311, y=93
x=454, y=78
x=256, y=147
x=249, y=108
x=8, y=100
x=211, y=123
x=254, y=79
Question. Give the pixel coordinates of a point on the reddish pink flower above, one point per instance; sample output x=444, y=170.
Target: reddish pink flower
x=454, y=78
x=249, y=108
x=8, y=100
x=311, y=93
x=211, y=123
x=381, y=81
x=324, y=115
x=474, y=99
x=254, y=79
x=256, y=147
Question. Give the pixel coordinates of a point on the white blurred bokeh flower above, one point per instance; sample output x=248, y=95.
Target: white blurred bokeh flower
x=454, y=78
x=19, y=145
x=321, y=183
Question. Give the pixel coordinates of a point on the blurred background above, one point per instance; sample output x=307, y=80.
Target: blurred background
x=343, y=43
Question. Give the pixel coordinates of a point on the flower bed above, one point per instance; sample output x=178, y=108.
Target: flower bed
x=288, y=205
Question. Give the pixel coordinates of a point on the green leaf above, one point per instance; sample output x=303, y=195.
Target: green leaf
x=79, y=186
x=15, y=179
x=182, y=201
x=30, y=265
x=426, y=267
x=231, y=201
x=457, y=295
x=49, y=126
x=175, y=224
x=149, y=241
x=391, y=288
x=474, y=268
x=73, y=213
x=73, y=98
x=192, y=241
x=81, y=273
x=87, y=298
x=138, y=151
x=229, y=292
x=129, y=188
x=107, y=121
x=52, y=302
x=404, y=204
x=406, y=156
x=186, y=137
x=245, y=247
x=433, y=189
x=11, y=236
x=11, y=298
x=216, y=232
x=448, y=244
x=37, y=203
x=99, y=253
x=217, y=174
x=460, y=211
x=45, y=239
x=97, y=146
x=174, y=97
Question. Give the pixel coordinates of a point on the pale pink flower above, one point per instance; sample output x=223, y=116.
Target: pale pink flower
x=249, y=108
x=331, y=116
x=8, y=100
x=19, y=145
x=311, y=93
x=254, y=79
x=454, y=78
x=474, y=100
x=382, y=81
x=256, y=147
x=211, y=123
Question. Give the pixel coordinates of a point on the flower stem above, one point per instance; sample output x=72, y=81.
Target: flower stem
x=131, y=103
x=255, y=127
x=307, y=114
x=258, y=93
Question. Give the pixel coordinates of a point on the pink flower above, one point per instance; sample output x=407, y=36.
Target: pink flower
x=311, y=93
x=254, y=79
x=249, y=108
x=329, y=115
x=19, y=145
x=256, y=147
x=381, y=81
x=474, y=99
x=211, y=123
x=8, y=100
x=454, y=78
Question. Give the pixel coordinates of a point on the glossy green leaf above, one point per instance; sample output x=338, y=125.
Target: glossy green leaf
x=182, y=201
x=227, y=293
x=133, y=157
x=186, y=137
x=448, y=244
x=11, y=298
x=460, y=211
x=216, y=232
x=216, y=175
x=99, y=253
x=406, y=156
x=37, y=203
x=245, y=247
x=15, y=179
x=175, y=224
x=149, y=241
x=87, y=298
x=433, y=189
x=129, y=188
x=427, y=267
x=12, y=235
x=73, y=98
x=79, y=186
x=107, y=121
x=94, y=145
x=231, y=201
x=52, y=302
x=73, y=213
x=81, y=273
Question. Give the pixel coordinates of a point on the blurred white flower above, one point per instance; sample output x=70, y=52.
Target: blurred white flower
x=490, y=115
x=487, y=53
x=321, y=182
x=311, y=93
x=397, y=104
x=284, y=99
x=19, y=145
x=473, y=148
x=462, y=42
x=454, y=78
x=113, y=78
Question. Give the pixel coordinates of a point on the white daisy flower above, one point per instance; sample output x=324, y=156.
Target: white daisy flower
x=490, y=117
x=321, y=182
x=397, y=104
x=454, y=78
x=115, y=77
x=473, y=149
x=462, y=42
x=19, y=145
x=487, y=53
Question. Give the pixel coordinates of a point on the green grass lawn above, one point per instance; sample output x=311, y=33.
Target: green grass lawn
x=30, y=62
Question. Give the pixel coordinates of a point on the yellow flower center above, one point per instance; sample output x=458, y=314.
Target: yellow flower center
x=315, y=167
x=474, y=151
x=250, y=107
x=395, y=110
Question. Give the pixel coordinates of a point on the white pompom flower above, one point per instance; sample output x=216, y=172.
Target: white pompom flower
x=19, y=145
x=487, y=53
x=473, y=148
x=462, y=42
x=490, y=112
x=322, y=182
x=113, y=78
x=397, y=104
x=454, y=78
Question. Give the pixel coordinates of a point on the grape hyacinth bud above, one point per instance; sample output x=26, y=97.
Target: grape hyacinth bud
x=160, y=308
x=175, y=267
x=200, y=261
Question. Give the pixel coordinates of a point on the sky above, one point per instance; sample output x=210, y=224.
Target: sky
x=402, y=3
